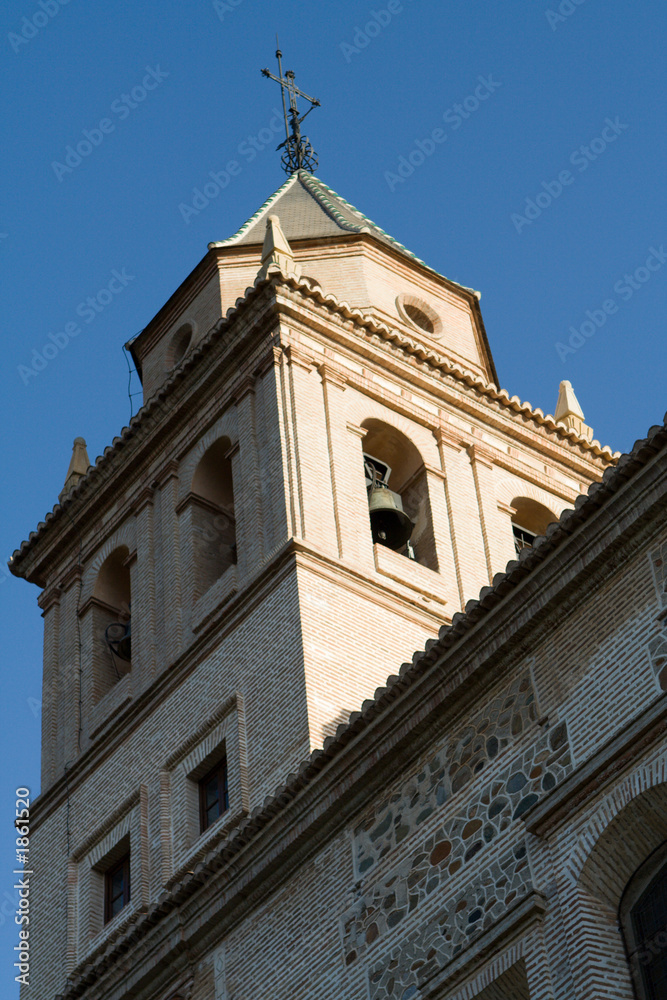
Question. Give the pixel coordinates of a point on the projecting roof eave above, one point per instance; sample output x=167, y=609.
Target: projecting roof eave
x=366, y=323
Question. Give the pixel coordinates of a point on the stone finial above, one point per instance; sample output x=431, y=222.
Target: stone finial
x=276, y=252
x=569, y=412
x=79, y=464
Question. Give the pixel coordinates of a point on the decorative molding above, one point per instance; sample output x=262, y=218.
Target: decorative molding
x=271, y=359
x=49, y=597
x=332, y=373
x=112, y=820
x=146, y=498
x=96, y=602
x=202, y=732
x=506, y=508
x=244, y=387
x=167, y=472
x=434, y=471
x=73, y=575
x=482, y=454
x=296, y=356
x=453, y=437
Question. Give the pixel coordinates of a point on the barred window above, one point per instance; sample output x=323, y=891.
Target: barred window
x=213, y=795
x=116, y=888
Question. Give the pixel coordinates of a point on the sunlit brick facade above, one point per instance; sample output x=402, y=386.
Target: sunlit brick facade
x=467, y=829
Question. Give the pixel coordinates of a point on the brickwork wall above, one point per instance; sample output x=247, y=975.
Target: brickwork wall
x=431, y=867
x=436, y=863
x=275, y=718
x=306, y=626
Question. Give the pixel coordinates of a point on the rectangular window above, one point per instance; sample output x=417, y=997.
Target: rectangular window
x=116, y=888
x=213, y=795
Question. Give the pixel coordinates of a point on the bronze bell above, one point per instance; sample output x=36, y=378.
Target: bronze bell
x=119, y=639
x=390, y=525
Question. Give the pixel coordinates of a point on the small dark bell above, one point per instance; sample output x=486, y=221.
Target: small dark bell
x=390, y=525
x=118, y=636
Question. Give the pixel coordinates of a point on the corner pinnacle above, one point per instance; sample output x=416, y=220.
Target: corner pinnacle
x=78, y=466
x=569, y=412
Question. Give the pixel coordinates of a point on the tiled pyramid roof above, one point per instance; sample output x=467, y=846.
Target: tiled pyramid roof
x=308, y=209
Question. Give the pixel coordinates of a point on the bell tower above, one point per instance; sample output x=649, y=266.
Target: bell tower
x=323, y=473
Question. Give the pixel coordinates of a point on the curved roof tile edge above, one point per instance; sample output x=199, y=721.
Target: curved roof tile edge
x=231, y=240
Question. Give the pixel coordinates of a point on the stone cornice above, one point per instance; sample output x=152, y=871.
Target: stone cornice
x=49, y=598
x=437, y=360
x=490, y=408
x=481, y=453
x=331, y=372
x=270, y=295
x=146, y=498
x=296, y=356
x=96, y=602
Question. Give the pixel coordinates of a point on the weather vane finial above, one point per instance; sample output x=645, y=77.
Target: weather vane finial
x=298, y=153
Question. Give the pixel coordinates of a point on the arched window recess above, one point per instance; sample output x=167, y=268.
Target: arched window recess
x=530, y=519
x=643, y=920
x=112, y=621
x=213, y=518
x=398, y=498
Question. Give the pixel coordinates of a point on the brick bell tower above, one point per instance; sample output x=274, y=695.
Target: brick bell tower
x=323, y=473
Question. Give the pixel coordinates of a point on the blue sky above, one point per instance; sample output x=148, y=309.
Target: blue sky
x=546, y=193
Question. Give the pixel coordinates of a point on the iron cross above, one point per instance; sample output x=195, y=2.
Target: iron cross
x=298, y=153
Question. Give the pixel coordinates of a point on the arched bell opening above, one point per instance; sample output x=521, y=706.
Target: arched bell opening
x=398, y=499
x=213, y=518
x=112, y=619
x=529, y=520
